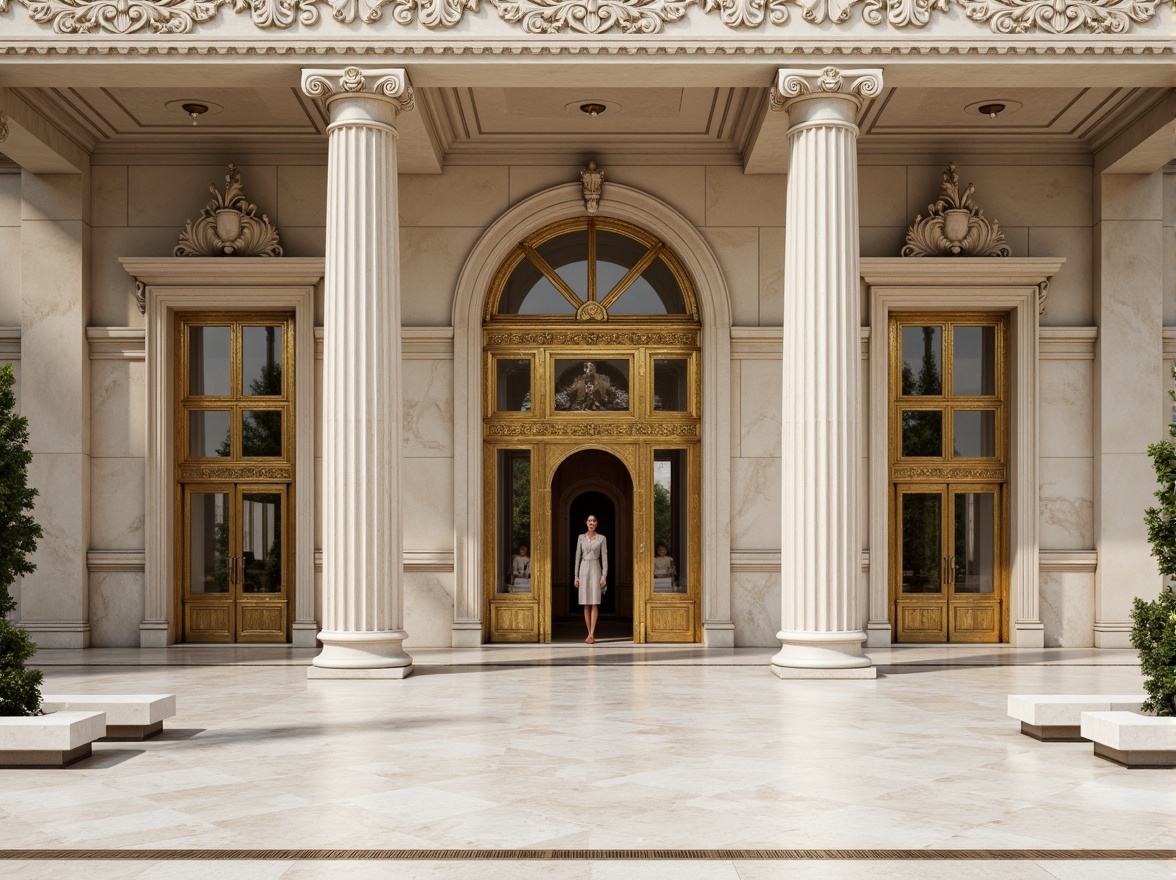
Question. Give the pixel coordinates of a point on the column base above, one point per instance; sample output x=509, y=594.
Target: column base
x=305, y=634
x=1028, y=634
x=154, y=634
x=822, y=655
x=361, y=655
x=718, y=634
x=1112, y=634
x=879, y=635
x=467, y=634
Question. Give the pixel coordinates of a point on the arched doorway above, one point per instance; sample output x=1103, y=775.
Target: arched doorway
x=592, y=359
x=597, y=483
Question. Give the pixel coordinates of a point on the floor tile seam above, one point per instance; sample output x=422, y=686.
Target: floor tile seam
x=595, y=854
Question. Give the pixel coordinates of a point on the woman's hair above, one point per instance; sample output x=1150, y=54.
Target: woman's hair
x=661, y=545
x=591, y=516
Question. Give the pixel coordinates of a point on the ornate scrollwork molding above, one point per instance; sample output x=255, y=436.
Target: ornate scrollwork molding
x=1042, y=295
x=794, y=83
x=590, y=338
x=390, y=83
x=235, y=472
x=955, y=226
x=229, y=226
x=141, y=296
x=581, y=16
x=987, y=472
x=590, y=429
x=1060, y=16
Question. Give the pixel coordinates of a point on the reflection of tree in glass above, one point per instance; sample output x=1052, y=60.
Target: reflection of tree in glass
x=662, y=517
x=929, y=381
x=261, y=430
x=217, y=579
x=920, y=543
x=520, y=520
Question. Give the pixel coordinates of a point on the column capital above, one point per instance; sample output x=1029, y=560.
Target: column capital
x=853, y=85
x=388, y=84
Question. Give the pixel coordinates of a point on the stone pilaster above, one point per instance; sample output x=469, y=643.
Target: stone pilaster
x=821, y=545
x=363, y=603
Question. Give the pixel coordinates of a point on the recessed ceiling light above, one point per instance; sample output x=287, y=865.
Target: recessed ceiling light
x=197, y=110
x=194, y=108
x=994, y=107
x=991, y=109
x=592, y=108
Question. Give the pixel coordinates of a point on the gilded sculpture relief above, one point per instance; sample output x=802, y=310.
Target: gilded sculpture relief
x=584, y=16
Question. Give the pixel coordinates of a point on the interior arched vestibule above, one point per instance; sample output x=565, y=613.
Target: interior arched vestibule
x=470, y=462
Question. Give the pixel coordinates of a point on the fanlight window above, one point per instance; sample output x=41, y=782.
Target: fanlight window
x=592, y=269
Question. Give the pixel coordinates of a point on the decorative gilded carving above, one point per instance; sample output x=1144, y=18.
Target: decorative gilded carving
x=955, y=226
x=1060, y=16
x=591, y=429
x=588, y=338
x=391, y=83
x=231, y=472
x=582, y=16
x=592, y=179
x=229, y=226
x=991, y=473
x=591, y=311
x=591, y=16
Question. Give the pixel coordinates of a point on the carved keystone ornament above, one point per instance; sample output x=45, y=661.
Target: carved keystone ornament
x=955, y=226
x=229, y=226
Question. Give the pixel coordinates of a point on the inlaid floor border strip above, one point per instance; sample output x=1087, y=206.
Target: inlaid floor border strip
x=593, y=855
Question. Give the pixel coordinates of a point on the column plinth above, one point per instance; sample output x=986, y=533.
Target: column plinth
x=362, y=586
x=821, y=633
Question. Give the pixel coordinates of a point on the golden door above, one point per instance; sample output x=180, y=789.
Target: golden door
x=949, y=473
x=234, y=477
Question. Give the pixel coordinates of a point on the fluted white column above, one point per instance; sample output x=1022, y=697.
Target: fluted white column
x=363, y=606
x=821, y=629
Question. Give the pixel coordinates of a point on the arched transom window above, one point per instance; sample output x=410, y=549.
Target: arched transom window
x=591, y=269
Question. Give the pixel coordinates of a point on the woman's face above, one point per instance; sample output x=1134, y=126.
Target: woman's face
x=523, y=550
x=592, y=524
x=661, y=550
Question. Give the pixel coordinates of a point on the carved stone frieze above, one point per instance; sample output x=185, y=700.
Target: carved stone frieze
x=990, y=472
x=1060, y=16
x=638, y=17
x=955, y=226
x=229, y=226
x=590, y=429
x=235, y=472
x=590, y=338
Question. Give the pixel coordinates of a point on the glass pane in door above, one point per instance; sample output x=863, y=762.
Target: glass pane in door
x=261, y=542
x=261, y=433
x=973, y=363
x=975, y=542
x=208, y=361
x=922, y=525
x=514, y=518
x=208, y=433
x=922, y=433
x=922, y=361
x=208, y=542
x=670, y=561
x=261, y=361
x=973, y=433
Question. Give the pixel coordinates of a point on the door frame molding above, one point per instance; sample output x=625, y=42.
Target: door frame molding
x=180, y=284
x=1016, y=286
x=710, y=288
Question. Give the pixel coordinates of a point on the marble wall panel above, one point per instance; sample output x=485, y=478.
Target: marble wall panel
x=116, y=609
x=737, y=250
x=735, y=373
x=1067, y=503
x=431, y=260
x=1027, y=195
x=117, y=503
x=755, y=608
x=1067, y=609
x=771, y=276
x=302, y=195
x=681, y=187
x=10, y=199
x=1017, y=238
x=108, y=195
x=9, y=281
x=882, y=241
x=57, y=591
x=882, y=195
x=117, y=417
x=428, y=408
x=528, y=180
x=427, y=488
x=1065, y=421
x=170, y=195
x=760, y=404
x=462, y=196
x=54, y=197
x=737, y=199
x=112, y=290
x=1169, y=208
x=1125, y=567
x=1130, y=197
x=1071, y=290
x=755, y=503
x=428, y=609
x=303, y=241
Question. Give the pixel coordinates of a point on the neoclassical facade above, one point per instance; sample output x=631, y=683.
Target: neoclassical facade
x=850, y=321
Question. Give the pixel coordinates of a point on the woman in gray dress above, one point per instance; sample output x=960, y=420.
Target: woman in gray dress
x=591, y=573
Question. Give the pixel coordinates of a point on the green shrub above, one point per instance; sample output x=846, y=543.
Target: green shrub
x=20, y=688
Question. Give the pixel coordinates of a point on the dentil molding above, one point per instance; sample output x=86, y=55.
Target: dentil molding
x=638, y=17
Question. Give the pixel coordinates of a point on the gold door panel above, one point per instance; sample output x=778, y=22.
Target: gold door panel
x=919, y=621
x=669, y=622
x=514, y=621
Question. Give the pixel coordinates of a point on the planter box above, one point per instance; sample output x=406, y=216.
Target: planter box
x=1058, y=717
x=1131, y=740
x=52, y=740
x=128, y=716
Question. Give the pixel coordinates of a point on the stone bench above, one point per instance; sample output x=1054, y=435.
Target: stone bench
x=1058, y=717
x=53, y=740
x=1131, y=740
x=128, y=716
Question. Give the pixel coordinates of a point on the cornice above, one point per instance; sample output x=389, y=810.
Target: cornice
x=633, y=19
x=958, y=271
x=217, y=271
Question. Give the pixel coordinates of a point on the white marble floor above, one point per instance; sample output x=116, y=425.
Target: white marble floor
x=616, y=747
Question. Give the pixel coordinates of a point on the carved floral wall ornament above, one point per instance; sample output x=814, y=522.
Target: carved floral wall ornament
x=229, y=226
x=583, y=16
x=592, y=178
x=955, y=226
